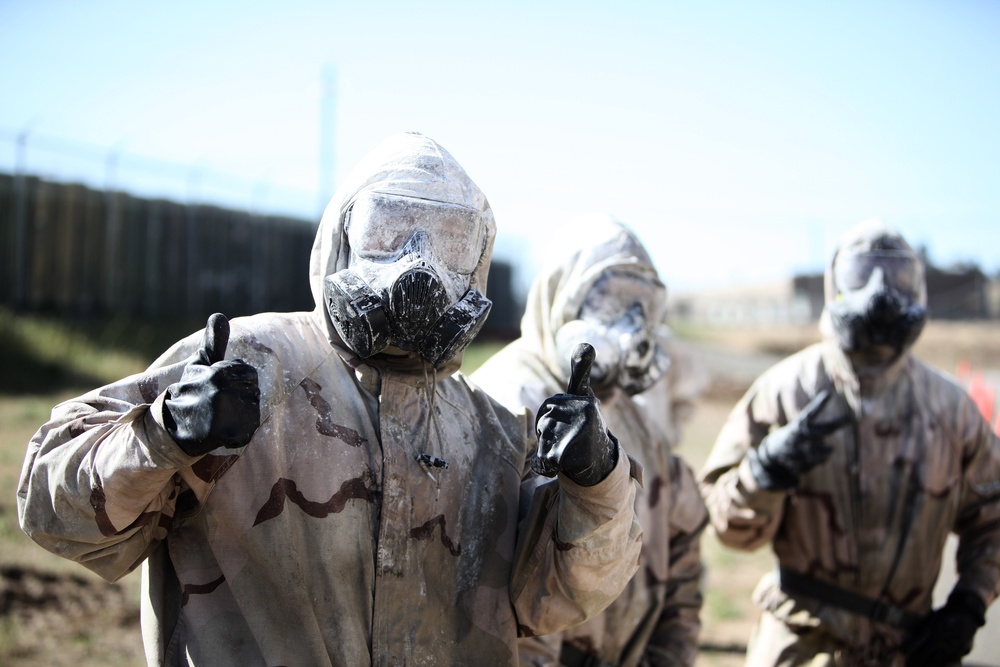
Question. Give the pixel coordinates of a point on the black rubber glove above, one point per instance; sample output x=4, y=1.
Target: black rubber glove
x=572, y=436
x=795, y=447
x=216, y=403
x=945, y=635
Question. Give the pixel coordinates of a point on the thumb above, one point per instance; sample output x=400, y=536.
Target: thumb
x=216, y=338
x=812, y=408
x=579, y=377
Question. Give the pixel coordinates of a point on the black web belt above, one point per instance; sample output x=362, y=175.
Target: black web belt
x=803, y=585
x=571, y=655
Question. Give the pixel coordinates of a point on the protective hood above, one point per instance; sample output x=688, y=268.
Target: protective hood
x=593, y=246
x=869, y=236
x=408, y=164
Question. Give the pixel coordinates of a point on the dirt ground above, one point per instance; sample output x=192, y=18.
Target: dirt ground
x=57, y=614
x=65, y=620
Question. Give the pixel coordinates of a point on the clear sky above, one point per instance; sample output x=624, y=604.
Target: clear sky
x=740, y=139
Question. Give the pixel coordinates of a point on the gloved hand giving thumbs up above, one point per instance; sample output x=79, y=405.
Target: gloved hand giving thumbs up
x=217, y=402
x=796, y=447
x=572, y=436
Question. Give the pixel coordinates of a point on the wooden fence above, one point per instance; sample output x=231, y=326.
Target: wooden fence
x=77, y=251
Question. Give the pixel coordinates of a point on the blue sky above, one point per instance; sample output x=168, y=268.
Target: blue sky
x=739, y=139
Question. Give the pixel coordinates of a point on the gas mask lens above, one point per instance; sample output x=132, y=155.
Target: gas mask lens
x=615, y=294
x=381, y=225
x=900, y=271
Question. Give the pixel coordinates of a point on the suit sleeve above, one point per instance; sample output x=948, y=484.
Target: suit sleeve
x=100, y=479
x=742, y=514
x=577, y=549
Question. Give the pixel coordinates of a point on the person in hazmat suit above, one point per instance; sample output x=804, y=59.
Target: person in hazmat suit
x=605, y=289
x=855, y=460
x=323, y=488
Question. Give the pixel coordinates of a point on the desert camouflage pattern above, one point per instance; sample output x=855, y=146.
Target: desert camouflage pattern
x=917, y=462
x=324, y=541
x=656, y=620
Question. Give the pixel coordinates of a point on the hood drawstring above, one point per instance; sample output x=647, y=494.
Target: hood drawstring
x=426, y=459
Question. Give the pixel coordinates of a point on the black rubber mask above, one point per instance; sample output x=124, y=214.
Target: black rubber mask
x=878, y=313
x=404, y=303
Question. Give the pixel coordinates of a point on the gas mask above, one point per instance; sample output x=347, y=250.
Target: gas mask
x=407, y=281
x=614, y=318
x=878, y=301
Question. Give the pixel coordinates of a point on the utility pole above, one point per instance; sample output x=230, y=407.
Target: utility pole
x=21, y=243
x=195, y=256
x=327, y=137
x=112, y=225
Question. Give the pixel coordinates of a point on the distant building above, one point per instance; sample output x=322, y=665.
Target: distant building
x=956, y=294
x=770, y=304
x=959, y=294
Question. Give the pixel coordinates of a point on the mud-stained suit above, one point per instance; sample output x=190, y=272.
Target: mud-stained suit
x=866, y=528
x=656, y=619
x=324, y=541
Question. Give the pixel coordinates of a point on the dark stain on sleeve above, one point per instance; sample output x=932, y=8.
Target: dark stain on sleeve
x=200, y=589
x=655, y=488
x=77, y=427
x=425, y=532
x=286, y=488
x=149, y=388
x=258, y=346
x=324, y=420
x=99, y=502
x=211, y=467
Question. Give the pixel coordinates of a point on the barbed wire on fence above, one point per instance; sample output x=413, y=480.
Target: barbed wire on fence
x=115, y=168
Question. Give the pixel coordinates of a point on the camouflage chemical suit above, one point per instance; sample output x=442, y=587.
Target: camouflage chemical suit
x=656, y=619
x=914, y=462
x=324, y=541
